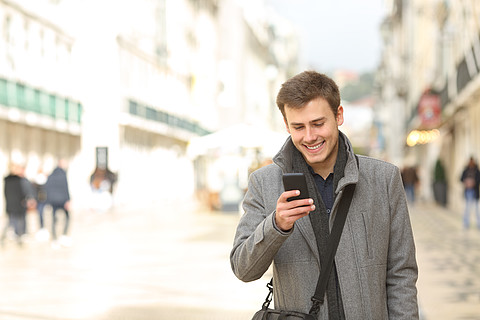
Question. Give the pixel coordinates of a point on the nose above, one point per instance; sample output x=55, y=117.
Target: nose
x=309, y=135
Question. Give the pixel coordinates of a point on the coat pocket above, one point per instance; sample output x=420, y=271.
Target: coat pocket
x=363, y=226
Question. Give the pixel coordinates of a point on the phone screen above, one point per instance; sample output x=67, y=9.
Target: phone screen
x=296, y=181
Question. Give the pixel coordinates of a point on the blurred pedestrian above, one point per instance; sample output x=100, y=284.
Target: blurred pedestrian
x=102, y=181
x=19, y=197
x=41, y=198
x=58, y=196
x=471, y=182
x=410, y=181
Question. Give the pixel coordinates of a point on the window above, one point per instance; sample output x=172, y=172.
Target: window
x=21, y=101
x=29, y=99
x=6, y=29
x=60, y=111
x=66, y=109
x=51, y=105
x=42, y=43
x=26, y=27
x=151, y=113
x=37, y=105
x=132, y=107
x=3, y=92
x=79, y=113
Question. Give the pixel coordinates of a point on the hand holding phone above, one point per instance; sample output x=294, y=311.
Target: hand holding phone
x=290, y=208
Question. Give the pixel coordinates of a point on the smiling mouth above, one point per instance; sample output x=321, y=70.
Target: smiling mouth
x=315, y=147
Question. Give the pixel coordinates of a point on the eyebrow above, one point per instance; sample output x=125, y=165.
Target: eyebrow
x=313, y=121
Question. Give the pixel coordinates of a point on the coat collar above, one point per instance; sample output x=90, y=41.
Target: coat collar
x=284, y=160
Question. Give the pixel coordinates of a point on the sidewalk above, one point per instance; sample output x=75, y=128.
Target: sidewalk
x=168, y=263
x=449, y=264
x=164, y=262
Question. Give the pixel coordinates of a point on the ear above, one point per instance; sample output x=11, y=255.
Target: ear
x=339, y=116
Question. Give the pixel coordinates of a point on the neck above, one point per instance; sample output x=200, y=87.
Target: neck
x=326, y=167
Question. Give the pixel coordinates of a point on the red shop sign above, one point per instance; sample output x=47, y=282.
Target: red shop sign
x=429, y=111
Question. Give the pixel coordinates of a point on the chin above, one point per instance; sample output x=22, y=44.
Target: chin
x=313, y=159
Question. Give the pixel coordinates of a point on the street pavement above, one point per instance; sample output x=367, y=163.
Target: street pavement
x=448, y=258
x=171, y=262
x=165, y=262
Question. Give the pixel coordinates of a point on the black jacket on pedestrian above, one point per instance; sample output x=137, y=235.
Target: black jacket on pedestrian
x=474, y=174
x=17, y=191
x=57, y=188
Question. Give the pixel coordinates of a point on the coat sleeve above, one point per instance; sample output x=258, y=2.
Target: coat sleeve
x=257, y=240
x=67, y=190
x=27, y=189
x=402, y=271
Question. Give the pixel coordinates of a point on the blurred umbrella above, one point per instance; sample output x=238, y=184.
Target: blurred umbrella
x=238, y=136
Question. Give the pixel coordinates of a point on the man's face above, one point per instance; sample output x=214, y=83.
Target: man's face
x=314, y=131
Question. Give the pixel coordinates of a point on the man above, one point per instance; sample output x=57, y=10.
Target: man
x=410, y=182
x=375, y=271
x=471, y=184
x=18, y=198
x=58, y=196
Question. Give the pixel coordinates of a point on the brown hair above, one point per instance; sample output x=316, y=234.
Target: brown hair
x=305, y=87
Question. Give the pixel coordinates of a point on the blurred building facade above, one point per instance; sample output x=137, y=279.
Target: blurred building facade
x=40, y=106
x=138, y=81
x=429, y=86
x=258, y=51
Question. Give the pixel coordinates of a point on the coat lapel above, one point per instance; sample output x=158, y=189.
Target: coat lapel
x=305, y=227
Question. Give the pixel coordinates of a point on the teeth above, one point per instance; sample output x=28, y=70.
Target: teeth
x=315, y=147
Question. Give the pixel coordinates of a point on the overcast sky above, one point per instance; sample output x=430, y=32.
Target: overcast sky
x=336, y=34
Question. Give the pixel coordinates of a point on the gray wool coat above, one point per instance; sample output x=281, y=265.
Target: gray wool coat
x=375, y=260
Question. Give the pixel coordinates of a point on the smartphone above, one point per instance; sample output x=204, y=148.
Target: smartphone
x=296, y=181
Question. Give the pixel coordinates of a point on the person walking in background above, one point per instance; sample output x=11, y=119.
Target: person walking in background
x=410, y=181
x=471, y=182
x=19, y=197
x=102, y=183
x=41, y=198
x=58, y=196
x=374, y=273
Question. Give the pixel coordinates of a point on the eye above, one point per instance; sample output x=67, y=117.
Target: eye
x=298, y=128
x=319, y=124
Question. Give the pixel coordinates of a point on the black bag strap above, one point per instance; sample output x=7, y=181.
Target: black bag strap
x=333, y=241
x=269, y=297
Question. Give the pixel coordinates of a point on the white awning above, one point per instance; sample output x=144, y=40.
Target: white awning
x=238, y=136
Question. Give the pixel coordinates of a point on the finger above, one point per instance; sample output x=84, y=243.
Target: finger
x=303, y=210
x=289, y=194
x=295, y=212
x=301, y=202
